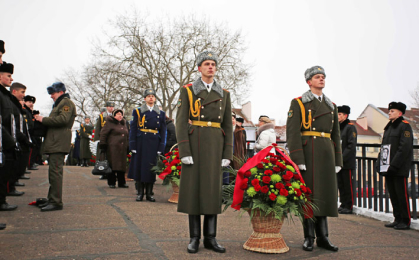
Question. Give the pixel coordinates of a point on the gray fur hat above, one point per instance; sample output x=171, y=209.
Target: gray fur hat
x=206, y=55
x=103, y=109
x=2, y=50
x=149, y=91
x=56, y=87
x=109, y=104
x=86, y=117
x=310, y=72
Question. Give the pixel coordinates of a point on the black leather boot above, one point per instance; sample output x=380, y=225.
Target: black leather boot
x=308, y=226
x=148, y=189
x=194, y=233
x=140, y=191
x=210, y=232
x=322, y=233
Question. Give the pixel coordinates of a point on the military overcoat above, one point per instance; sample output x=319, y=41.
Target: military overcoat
x=200, y=183
x=320, y=155
x=59, y=123
x=86, y=132
x=100, y=123
x=349, y=138
x=146, y=144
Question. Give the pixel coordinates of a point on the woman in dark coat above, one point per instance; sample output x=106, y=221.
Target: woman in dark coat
x=86, y=131
x=114, y=142
x=171, y=134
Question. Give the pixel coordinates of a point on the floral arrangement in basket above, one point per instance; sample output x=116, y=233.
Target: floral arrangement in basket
x=270, y=183
x=168, y=167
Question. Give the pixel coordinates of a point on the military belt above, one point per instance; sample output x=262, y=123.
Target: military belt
x=149, y=131
x=314, y=133
x=206, y=124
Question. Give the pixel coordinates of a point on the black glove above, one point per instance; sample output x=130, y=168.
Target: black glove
x=392, y=170
x=103, y=146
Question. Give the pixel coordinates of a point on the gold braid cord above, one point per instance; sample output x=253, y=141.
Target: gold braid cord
x=140, y=122
x=102, y=122
x=195, y=109
x=304, y=123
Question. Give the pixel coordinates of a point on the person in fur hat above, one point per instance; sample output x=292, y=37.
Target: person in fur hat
x=313, y=138
x=266, y=134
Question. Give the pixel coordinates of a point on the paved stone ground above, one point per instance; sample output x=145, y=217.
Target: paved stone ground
x=102, y=223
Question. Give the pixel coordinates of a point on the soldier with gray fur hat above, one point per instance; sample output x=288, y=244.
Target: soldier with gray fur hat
x=312, y=132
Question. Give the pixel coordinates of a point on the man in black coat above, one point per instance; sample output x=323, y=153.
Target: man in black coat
x=8, y=130
x=36, y=143
x=348, y=136
x=395, y=165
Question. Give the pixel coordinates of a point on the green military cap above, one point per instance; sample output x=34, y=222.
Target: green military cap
x=110, y=104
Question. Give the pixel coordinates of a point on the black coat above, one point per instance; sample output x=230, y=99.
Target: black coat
x=399, y=135
x=348, y=137
x=8, y=143
x=170, y=136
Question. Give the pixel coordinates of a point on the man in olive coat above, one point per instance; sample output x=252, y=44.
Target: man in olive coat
x=86, y=131
x=348, y=135
x=313, y=139
x=204, y=132
x=57, y=142
x=398, y=140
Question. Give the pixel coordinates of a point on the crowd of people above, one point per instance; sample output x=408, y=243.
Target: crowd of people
x=320, y=138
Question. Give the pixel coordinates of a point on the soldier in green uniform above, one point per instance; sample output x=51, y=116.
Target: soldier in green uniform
x=57, y=142
x=204, y=131
x=86, y=131
x=313, y=139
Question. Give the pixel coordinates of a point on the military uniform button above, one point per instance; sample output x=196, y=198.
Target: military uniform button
x=332, y=112
x=220, y=108
x=157, y=116
x=219, y=116
x=202, y=107
x=157, y=122
x=202, y=116
x=314, y=129
x=314, y=137
x=314, y=119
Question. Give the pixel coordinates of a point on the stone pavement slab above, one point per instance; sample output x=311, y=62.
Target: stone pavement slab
x=102, y=223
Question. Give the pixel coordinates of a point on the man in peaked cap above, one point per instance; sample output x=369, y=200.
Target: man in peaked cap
x=86, y=131
x=204, y=131
x=147, y=139
x=28, y=105
x=57, y=142
x=398, y=139
x=312, y=132
x=348, y=136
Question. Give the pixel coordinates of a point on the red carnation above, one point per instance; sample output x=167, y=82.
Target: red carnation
x=255, y=182
x=303, y=188
x=258, y=187
x=168, y=157
x=243, y=186
x=265, y=161
x=297, y=177
x=179, y=167
x=283, y=192
x=288, y=176
x=273, y=160
x=288, y=184
x=268, y=172
x=260, y=166
x=264, y=189
x=272, y=196
x=274, y=144
x=308, y=190
x=247, y=174
x=298, y=192
x=276, y=169
x=281, y=166
x=266, y=179
x=179, y=173
x=129, y=155
x=279, y=186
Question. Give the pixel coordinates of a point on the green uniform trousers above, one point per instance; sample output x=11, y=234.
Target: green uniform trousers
x=55, y=175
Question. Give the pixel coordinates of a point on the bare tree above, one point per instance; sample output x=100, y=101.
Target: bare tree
x=415, y=96
x=141, y=54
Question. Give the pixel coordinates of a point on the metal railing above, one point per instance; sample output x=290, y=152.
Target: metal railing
x=369, y=189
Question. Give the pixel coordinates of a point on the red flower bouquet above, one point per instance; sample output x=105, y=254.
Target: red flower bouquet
x=270, y=183
x=168, y=167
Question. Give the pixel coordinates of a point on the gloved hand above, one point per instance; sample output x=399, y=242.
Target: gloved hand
x=302, y=167
x=134, y=151
x=225, y=162
x=187, y=160
x=338, y=168
x=158, y=153
x=392, y=170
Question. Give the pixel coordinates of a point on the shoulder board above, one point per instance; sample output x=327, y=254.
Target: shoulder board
x=350, y=123
x=298, y=98
x=225, y=90
x=333, y=103
x=188, y=85
x=404, y=121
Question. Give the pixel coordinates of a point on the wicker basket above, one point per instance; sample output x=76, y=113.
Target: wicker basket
x=266, y=237
x=175, y=196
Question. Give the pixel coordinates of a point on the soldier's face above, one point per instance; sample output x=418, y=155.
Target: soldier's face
x=87, y=120
x=56, y=95
x=207, y=69
x=342, y=117
x=110, y=109
x=150, y=99
x=29, y=104
x=6, y=79
x=393, y=114
x=19, y=93
x=317, y=81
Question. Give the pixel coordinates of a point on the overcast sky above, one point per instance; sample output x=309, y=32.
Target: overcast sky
x=369, y=48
